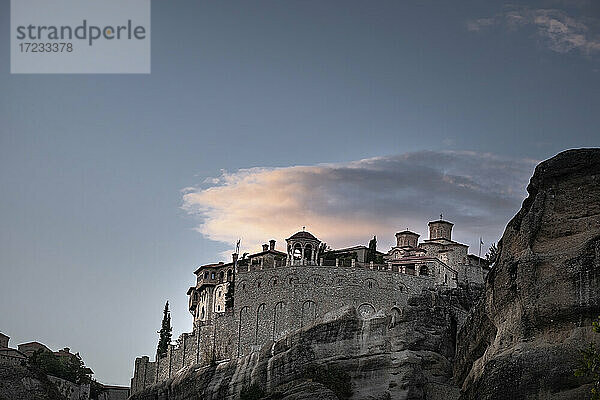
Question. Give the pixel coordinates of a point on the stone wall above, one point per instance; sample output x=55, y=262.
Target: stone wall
x=405, y=356
x=273, y=302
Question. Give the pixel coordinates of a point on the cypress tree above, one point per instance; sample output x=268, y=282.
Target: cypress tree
x=372, y=251
x=165, y=333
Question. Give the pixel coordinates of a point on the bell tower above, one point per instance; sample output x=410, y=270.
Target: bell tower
x=440, y=229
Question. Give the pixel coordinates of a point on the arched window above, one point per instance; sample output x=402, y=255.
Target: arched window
x=206, y=275
x=212, y=275
x=308, y=252
x=396, y=315
x=309, y=313
x=202, y=313
x=278, y=320
x=244, y=330
x=366, y=310
x=229, y=275
x=297, y=251
x=221, y=276
x=261, y=333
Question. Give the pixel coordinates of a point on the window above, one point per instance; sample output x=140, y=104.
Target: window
x=212, y=275
x=258, y=284
x=275, y=281
x=221, y=276
x=370, y=285
x=206, y=275
x=297, y=252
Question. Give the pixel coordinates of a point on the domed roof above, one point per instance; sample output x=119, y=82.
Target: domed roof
x=302, y=235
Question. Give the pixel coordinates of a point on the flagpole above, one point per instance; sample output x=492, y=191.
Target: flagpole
x=479, y=259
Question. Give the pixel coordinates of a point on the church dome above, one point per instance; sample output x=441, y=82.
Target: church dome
x=302, y=235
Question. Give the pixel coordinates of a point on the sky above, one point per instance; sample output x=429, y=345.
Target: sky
x=351, y=118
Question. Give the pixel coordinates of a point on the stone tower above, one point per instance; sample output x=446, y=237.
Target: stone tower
x=302, y=248
x=440, y=229
x=407, y=239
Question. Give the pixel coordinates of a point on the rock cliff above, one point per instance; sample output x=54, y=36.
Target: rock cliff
x=405, y=356
x=521, y=341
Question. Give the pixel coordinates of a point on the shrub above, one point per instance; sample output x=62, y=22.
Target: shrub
x=589, y=364
x=252, y=392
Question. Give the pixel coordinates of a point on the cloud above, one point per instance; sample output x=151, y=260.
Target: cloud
x=347, y=203
x=554, y=28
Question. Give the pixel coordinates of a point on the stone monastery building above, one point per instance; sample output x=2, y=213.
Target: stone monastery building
x=239, y=306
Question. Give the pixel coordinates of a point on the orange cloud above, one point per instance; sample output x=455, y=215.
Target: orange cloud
x=346, y=204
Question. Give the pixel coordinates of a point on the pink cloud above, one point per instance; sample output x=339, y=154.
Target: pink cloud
x=347, y=203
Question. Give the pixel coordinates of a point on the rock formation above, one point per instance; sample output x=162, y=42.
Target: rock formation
x=521, y=341
x=20, y=382
x=406, y=356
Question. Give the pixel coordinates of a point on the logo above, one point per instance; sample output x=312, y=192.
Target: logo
x=80, y=36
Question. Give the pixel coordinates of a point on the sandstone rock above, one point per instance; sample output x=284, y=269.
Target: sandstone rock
x=407, y=359
x=521, y=341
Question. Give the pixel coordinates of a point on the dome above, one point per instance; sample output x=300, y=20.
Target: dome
x=302, y=235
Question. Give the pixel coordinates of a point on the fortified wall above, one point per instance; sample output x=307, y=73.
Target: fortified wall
x=271, y=303
x=239, y=306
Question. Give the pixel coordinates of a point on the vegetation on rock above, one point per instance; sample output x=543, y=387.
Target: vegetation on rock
x=252, y=392
x=492, y=255
x=229, y=296
x=71, y=369
x=590, y=364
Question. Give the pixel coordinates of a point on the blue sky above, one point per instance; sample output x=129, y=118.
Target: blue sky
x=106, y=208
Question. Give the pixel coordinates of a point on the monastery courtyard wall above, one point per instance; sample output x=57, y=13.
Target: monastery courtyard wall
x=272, y=302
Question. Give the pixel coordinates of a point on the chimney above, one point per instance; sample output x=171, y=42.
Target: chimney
x=272, y=244
x=265, y=247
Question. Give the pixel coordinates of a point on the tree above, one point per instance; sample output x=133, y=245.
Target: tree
x=165, y=333
x=229, y=296
x=321, y=250
x=589, y=364
x=372, y=252
x=70, y=368
x=492, y=255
